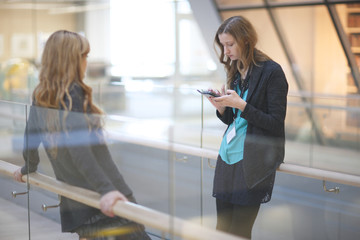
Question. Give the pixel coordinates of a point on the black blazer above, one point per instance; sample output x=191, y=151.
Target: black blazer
x=82, y=159
x=265, y=113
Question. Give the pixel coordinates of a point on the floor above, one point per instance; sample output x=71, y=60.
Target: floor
x=14, y=225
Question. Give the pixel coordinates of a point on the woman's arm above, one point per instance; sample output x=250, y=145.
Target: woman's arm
x=32, y=142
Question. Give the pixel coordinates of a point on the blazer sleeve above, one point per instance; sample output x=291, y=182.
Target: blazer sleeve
x=227, y=117
x=32, y=142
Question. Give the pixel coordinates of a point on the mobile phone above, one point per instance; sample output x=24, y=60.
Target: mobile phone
x=208, y=93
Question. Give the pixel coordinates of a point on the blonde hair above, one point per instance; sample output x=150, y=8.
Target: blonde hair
x=61, y=66
x=246, y=39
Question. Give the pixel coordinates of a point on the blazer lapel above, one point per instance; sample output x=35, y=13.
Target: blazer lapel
x=254, y=79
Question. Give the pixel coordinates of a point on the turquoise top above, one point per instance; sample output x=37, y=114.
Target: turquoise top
x=232, y=152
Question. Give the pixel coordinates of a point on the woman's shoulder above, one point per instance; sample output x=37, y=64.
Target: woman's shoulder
x=270, y=67
x=271, y=64
x=267, y=67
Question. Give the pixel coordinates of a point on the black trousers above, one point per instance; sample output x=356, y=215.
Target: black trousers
x=236, y=219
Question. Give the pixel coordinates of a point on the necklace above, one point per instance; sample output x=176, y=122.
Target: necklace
x=244, y=85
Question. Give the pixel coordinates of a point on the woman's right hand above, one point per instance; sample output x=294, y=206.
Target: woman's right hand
x=18, y=175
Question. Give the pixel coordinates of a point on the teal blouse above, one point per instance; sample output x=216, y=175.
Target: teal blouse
x=232, y=147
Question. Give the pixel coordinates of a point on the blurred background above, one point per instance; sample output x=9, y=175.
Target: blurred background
x=148, y=58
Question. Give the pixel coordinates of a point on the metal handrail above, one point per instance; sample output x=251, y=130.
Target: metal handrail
x=135, y=212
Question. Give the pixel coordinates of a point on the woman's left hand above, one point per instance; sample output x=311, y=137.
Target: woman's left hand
x=18, y=175
x=231, y=99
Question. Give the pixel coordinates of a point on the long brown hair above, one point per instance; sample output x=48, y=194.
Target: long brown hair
x=61, y=66
x=246, y=39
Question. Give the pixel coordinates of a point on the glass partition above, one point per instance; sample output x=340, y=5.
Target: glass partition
x=156, y=124
x=144, y=146
x=148, y=144
x=15, y=217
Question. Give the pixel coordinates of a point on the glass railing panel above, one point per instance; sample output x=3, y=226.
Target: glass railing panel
x=306, y=211
x=322, y=132
x=337, y=150
x=167, y=115
x=299, y=133
x=42, y=141
x=94, y=160
x=340, y=129
x=141, y=145
x=15, y=218
x=144, y=139
x=156, y=102
x=147, y=169
x=332, y=133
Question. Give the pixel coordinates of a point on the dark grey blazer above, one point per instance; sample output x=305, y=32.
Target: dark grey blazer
x=82, y=159
x=265, y=112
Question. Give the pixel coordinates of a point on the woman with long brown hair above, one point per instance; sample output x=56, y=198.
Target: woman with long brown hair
x=253, y=106
x=65, y=120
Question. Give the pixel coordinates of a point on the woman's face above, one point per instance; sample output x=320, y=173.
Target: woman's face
x=231, y=49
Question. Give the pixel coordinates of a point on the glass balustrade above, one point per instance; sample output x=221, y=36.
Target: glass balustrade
x=156, y=124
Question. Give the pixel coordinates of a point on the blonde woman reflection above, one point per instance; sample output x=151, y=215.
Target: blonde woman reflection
x=65, y=120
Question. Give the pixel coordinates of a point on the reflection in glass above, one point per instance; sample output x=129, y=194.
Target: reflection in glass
x=17, y=77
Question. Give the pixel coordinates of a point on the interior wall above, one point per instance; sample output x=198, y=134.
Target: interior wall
x=18, y=28
x=97, y=28
x=330, y=62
